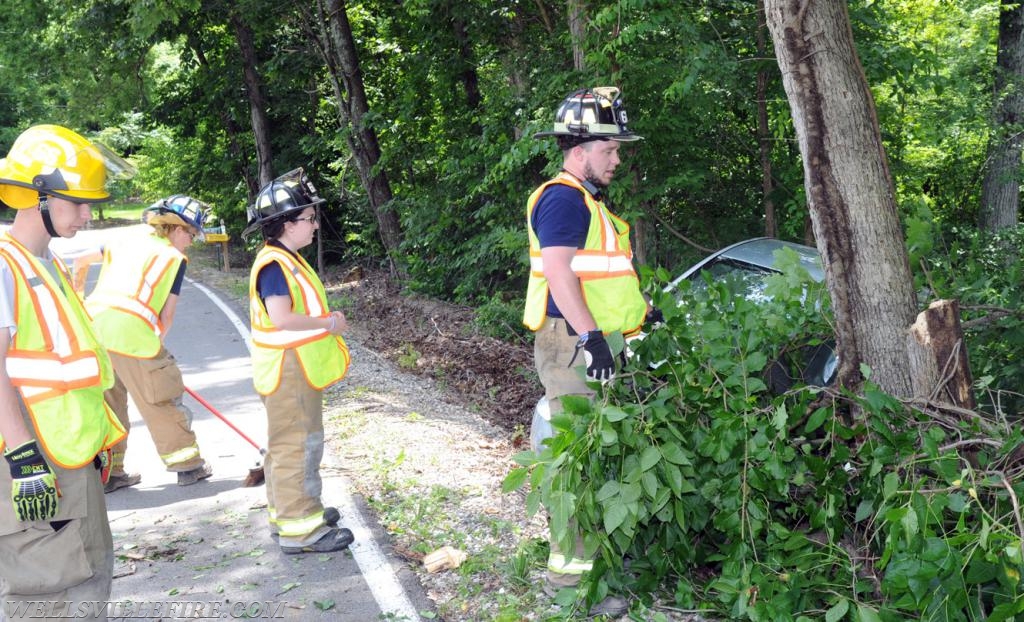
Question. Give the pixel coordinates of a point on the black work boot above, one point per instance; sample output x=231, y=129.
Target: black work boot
x=336, y=539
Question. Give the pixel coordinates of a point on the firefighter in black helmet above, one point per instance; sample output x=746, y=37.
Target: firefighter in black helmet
x=297, y=352
x=582, y=282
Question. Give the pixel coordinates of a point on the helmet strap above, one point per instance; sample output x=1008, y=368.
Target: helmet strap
x=44, y=211
x=592, y=188
x=588, y=185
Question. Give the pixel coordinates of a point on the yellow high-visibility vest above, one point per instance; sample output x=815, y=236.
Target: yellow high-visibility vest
x=56, y=363
x=604, y=267
x=323, y=357
x=135, y=282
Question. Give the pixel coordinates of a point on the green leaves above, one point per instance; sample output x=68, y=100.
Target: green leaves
x=778, y=507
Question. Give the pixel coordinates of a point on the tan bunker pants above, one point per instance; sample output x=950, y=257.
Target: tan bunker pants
x=553, y=348
x=156, y=388
x=295, y=447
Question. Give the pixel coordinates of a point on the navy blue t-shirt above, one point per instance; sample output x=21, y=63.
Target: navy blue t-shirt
x=178, y=278
x=270, y=281
x=560, y=218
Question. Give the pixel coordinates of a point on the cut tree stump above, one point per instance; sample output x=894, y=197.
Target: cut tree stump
x=939, y=365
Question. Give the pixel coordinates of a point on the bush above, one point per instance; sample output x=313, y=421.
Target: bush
x=753, y=506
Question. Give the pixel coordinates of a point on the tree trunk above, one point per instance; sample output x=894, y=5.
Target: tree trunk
x=257, y=101
x=343, y=61
x=849, y=189
x=468, y=75
x=764, y=137
x=577, y=32
x=1000, y=192
x=234, y=131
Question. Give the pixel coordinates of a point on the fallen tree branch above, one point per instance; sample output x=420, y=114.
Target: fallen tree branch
x=1016, y=510
x=994, y=314
x=655, y=215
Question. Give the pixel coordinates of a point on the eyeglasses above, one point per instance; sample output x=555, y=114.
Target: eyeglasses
x=310, y=219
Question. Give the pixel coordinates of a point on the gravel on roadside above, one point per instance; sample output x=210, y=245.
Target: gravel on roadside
x=428, y=461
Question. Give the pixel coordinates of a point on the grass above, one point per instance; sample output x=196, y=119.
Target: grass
x=121, y=211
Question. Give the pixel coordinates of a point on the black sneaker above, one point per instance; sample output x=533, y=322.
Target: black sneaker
x=336, y=539
x=187, y=478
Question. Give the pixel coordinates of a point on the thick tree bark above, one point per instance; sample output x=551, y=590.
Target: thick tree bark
x=764, y=137
x=257, y=101
x=849, y=189
x=1000, y=192
x=343, y=62
x=577, y=32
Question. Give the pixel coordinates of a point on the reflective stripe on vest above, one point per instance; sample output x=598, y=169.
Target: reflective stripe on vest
x=298, y=527
x=60, y=368
x=56, y=363
x=309, y=300
x=558, y=564
x=604, y=267
x=282, y=339
x=134, y=284
x=323, y=357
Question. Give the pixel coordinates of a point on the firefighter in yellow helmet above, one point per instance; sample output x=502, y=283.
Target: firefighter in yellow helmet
x=297, y=352
x=132, y=308
x=55, y=428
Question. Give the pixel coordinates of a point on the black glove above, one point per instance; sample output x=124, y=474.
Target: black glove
x=34, y=490
x=597, y=355
x=654, y=316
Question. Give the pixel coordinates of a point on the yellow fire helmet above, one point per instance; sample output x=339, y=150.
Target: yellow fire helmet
x=56, y=161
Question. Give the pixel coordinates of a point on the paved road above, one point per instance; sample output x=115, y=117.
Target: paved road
x=209, y=544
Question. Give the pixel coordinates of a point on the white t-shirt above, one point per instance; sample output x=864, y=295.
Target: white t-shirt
x=7, y=315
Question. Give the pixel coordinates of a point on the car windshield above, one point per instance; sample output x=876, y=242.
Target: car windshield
x=741, y=277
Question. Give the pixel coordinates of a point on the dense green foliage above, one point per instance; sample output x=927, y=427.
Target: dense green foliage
x=986, y=274
x=456, y=90
x=757, y=506
x=814, y=504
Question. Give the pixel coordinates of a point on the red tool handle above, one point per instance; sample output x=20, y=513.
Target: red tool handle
x=217, y=414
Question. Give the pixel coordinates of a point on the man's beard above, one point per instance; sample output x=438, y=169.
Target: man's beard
x=589, y=175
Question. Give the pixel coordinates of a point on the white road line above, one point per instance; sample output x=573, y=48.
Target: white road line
x=373, y=565
x=236, y=321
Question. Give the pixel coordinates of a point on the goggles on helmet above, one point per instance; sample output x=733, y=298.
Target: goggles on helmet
x=53, y=160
